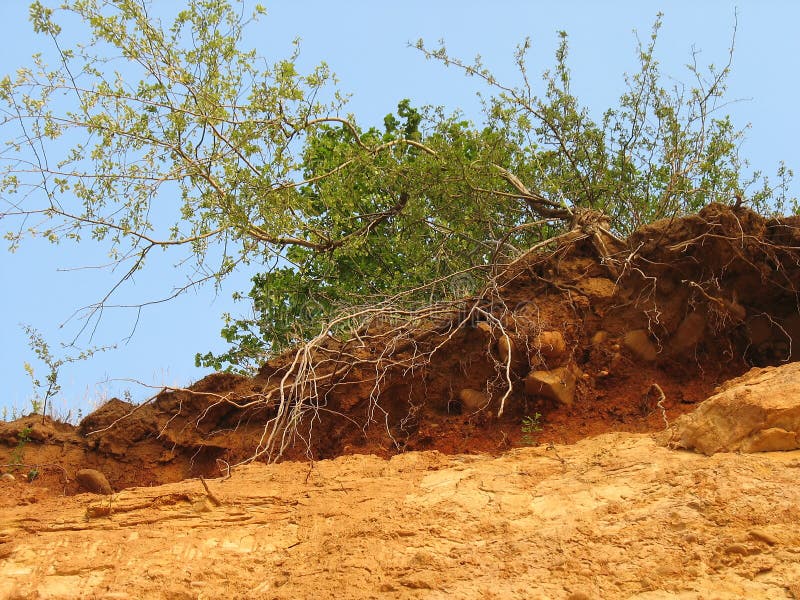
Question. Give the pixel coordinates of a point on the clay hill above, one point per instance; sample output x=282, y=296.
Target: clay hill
x=606, y=419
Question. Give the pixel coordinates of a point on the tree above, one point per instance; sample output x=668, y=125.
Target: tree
x=177, y=137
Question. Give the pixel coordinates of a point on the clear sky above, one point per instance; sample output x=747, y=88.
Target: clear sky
x=366, y=44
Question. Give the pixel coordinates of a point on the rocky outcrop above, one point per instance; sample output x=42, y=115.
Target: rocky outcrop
x=611, y=517
x=757, y=412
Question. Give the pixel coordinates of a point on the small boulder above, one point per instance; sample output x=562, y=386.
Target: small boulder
x=505, y=348
x=640, y=345
x=483, y=328
x=93, y=481
x=556, y=384
x=505, y=345
x=597, y=288
x=689, y=333
x=550, y=344
x=772, y=439
x=757, y=412
x=7, y=477
x=472, y=400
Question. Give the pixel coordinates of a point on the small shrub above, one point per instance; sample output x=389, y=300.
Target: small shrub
x=530, y=425
x=17, y=455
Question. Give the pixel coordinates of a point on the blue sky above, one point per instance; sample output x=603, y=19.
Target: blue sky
x=366, y=44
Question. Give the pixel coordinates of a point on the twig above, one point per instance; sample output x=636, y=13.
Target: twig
x=211, y=496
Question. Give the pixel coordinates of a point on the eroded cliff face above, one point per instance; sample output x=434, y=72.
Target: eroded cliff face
x=614, y=516
x=591, y=342
x=596, y=497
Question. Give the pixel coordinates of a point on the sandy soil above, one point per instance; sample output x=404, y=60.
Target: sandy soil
x=614, y=516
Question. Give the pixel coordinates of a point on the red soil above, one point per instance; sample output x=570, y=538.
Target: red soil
x=714, y=294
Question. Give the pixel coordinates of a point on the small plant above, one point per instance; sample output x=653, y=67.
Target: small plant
x=17, y=455
x=11, y=415
x=530, y=425
x=44, y=392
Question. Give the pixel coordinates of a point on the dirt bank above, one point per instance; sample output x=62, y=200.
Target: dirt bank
x=500, y=446
x=589, y=335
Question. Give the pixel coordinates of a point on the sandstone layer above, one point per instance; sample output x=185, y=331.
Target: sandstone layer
x=615, y=516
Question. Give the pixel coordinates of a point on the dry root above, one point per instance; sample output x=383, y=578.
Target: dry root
x=388, y=341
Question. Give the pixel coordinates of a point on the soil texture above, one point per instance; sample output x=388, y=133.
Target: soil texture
x=613, y=516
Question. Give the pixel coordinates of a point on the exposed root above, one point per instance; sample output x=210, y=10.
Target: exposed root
x=685, y=281
x=211, y=496
x=660, y=402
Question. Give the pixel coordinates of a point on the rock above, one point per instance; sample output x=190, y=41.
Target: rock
x=773, y=439
x=690, y=332
x=550, y=344
x=737, y=549
x=757, y=412
x=794, y=589
x=640, y=345
x=597, y=288
x=7, y=477
x=579, y=596
x=760, y=329
x=484, y=328
x=556, y=384
x=421, y=581
x=93, y=481
x=505, y=345
x=472, y=400
x=763, y=536
x=599, y=338
x=505, y=348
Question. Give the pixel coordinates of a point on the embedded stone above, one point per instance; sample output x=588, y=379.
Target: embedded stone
x=505, y=348
x=556, y=384
x=640, y=345
x=472, y=400
x=484, y=328
x=550, y=344
x=597, y=288
x=93, y=481
x=689, y=333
